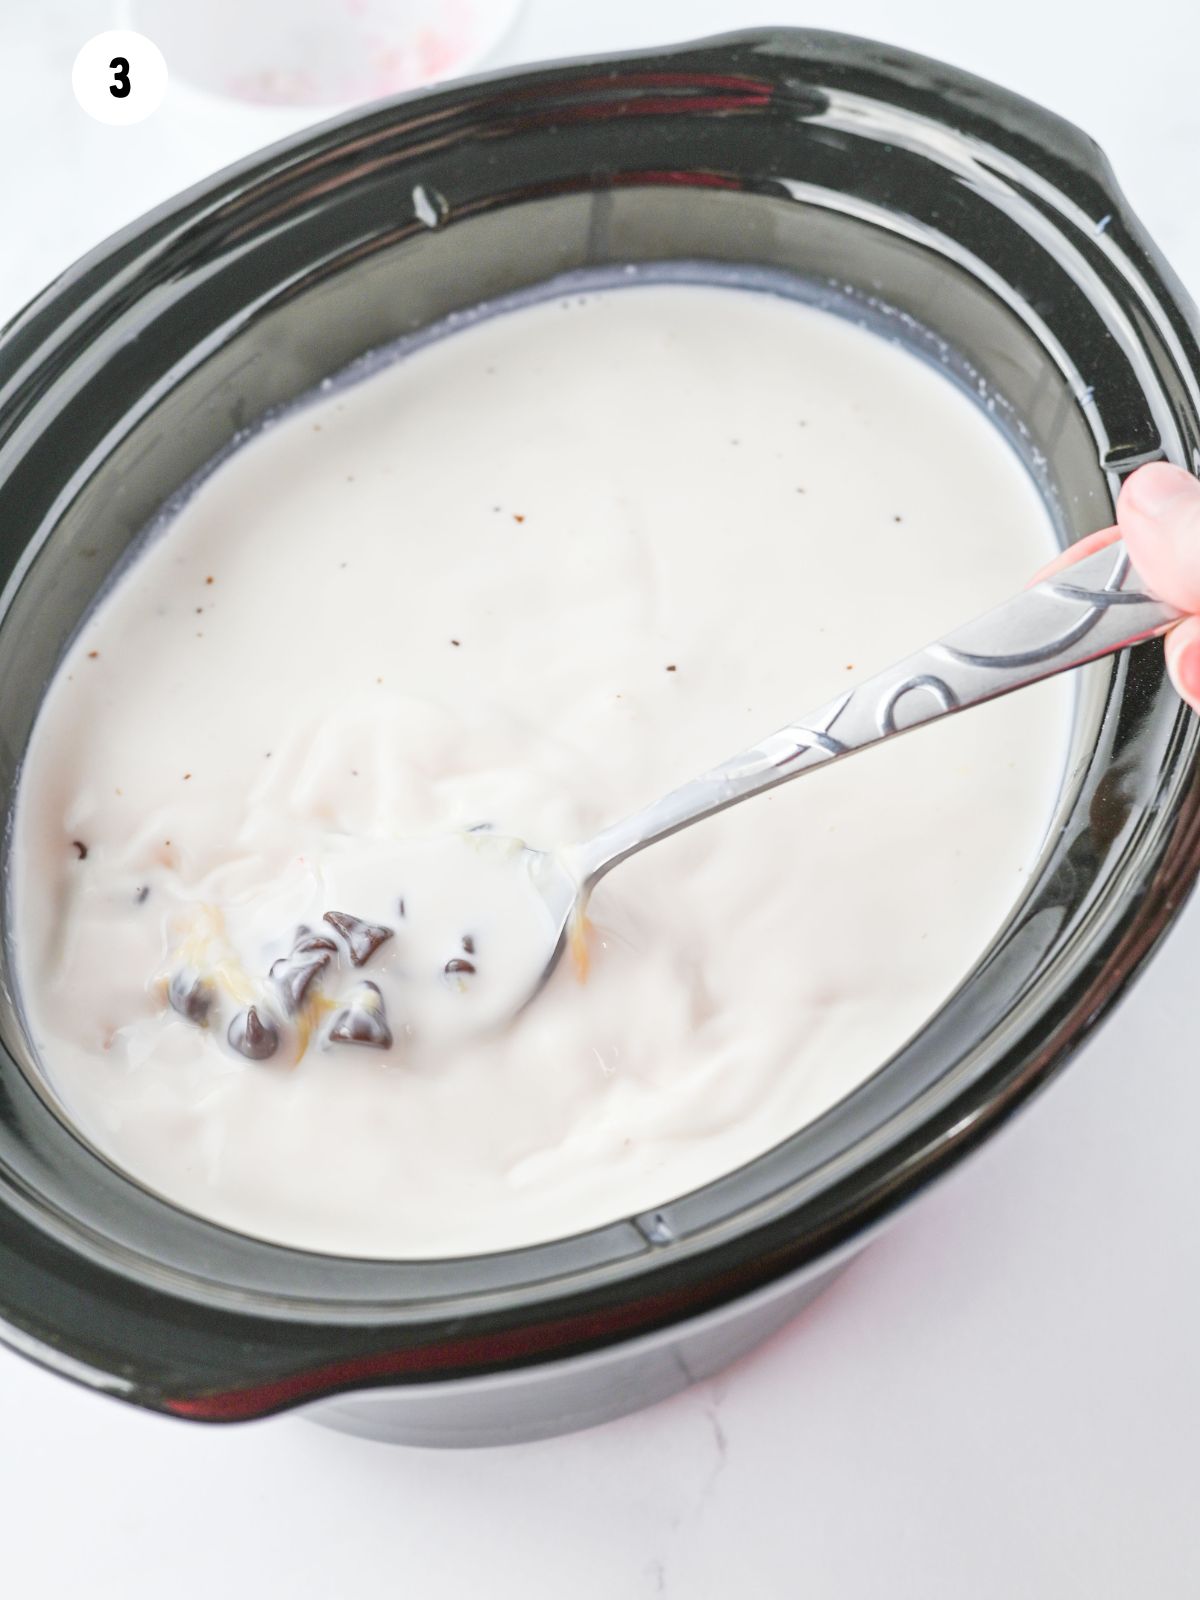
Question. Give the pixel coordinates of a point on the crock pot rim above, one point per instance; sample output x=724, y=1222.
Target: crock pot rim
x=304, y=1369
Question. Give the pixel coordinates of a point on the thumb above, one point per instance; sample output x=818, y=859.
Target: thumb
x=1158, y=512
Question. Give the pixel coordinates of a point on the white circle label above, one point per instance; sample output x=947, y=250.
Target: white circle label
x=119, y=77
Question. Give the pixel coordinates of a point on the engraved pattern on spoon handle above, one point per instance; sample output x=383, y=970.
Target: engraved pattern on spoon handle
x=1088, y=610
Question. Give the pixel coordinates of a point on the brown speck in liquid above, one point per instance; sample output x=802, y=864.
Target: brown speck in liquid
x=267, y=757
x=672, y=668
x=80, y=849
x=354, y=772
x=378, y=680
x=210, y=579
x=897, y=519
x=518, y=516
x=849, y=666
x=186, y=776
x=199, y=611
x=456, y=642
x=799, y=490
x=468, y=944
x=92, y=654
x=343, y=565
x=141, y=895
x=400, y=907
x=316, y=427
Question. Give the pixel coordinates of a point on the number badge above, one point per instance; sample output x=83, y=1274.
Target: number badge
x=119, y=77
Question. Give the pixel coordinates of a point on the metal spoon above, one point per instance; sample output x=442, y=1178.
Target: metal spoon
x=1090, y=609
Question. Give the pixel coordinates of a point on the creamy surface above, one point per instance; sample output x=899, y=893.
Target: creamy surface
x=527, y=577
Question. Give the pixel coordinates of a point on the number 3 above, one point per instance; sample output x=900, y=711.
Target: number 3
x=120, y=71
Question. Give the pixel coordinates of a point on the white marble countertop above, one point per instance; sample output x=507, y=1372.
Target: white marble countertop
x=998, y=1399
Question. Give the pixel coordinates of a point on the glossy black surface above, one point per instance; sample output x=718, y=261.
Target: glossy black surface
x=982, y=230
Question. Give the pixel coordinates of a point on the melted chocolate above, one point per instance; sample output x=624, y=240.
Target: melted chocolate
x=294, y=973
x=253, y=1037
x=362, y=938
x=191, y=996
x=362, y=1019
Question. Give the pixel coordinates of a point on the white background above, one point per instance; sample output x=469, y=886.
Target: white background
x=1001, y=1399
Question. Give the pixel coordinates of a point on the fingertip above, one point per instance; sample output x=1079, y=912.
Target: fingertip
x=1183, y=659
x=1158, y=512
x=1153, y=489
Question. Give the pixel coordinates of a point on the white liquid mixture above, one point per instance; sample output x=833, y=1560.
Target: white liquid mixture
x=529, y=576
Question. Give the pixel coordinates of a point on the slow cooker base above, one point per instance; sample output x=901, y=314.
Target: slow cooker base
x=556, y=1397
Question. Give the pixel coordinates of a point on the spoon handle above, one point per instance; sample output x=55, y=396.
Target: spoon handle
x=1093, y=608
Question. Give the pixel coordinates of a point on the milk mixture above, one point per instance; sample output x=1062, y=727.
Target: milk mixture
x=512, y=587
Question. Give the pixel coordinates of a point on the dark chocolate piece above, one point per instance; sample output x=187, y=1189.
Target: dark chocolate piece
x=141, y=895
x=362, y=938
x=191, y=996
x=253, y=1037
x=468, y=944
x=362, y=1019
x=456, y=967
x=294, y=973
x=80, y=849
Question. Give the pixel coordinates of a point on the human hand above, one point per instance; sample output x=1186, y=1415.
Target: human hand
x=1158, y=516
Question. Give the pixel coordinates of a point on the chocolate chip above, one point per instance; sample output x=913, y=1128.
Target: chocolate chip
x=80, y=849
x=468, y=944
x=294, y=973
x=253, y=1038
x=191, y=996
x=362, y=1019
x=362, y=938
x=400, y=907
x=456, y=967
x=141, y=895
